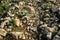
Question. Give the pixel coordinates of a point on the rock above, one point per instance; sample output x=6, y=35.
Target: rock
x=23, y=36
x=56, y=37
x=16, y=5
x=22, y=3
x=28, y=28
x=59, y=8
x=46, y=19
x=41, y=22
x=49, y=35
x=1, y=37
x=45, y=25
x=9, y=30
x=18, y=34
x=58, y=33
x=2, y=32
x=30, y=4
x=47, y=15
x=10, y=14
x=24, y=20
x=51, y=29
x=34, y=28
x=17, y=22
x=55, y=8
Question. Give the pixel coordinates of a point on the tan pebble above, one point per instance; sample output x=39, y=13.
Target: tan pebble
x=17, y=6
x=52, y=29
x=17, y=22
x=47, y=14
x=59, y=8
x=23, y=36
x=41, y=22
x=22, y=3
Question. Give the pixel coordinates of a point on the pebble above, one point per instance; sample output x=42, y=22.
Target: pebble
x=49, y=35
x=17, y=22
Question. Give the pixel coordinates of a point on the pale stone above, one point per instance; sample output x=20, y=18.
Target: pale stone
x=1, y=37
x=17, y=6
x=17, y=34
x=10, y=14
x=22, y=3
x=46, y=19
x=9, y=29
x=23, y=36
x=17, y=22
x=41, y=22
x=49, y=35
x=45, y=25
x=47, y=15
x=59, y=8
x=3, y=32
x=51, y=29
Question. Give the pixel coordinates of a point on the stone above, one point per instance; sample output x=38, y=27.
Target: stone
x=22, y=3
x=10, y=14
x=46, y=19
x=49, y=35
x=23, y=36
x=55, y=8
x=1, y=37
x=56, y=37
x=58, y=33
x=45, y=25
x=9, y=30
x=18, y=34
x=28, y=28
x=51, y=29
x=17, y=22
x=47, y=15
x=16, y=5
x=41, y=22
x=59, y=8
x=3, y=32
